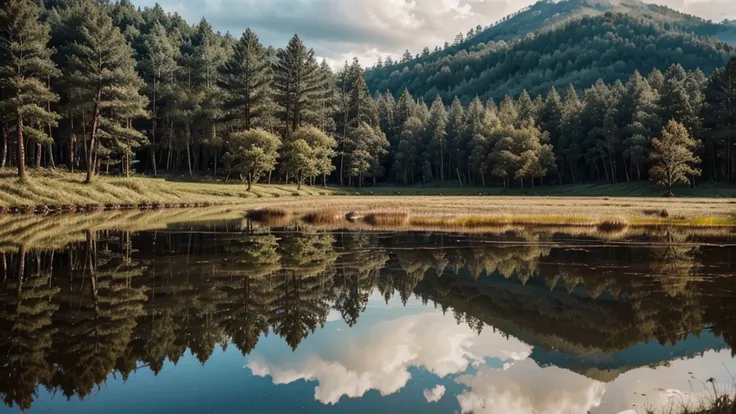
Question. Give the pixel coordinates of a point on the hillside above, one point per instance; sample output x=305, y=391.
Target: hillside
x=572, y=42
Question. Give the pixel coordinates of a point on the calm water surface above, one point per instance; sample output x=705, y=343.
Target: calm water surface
x=231, y=318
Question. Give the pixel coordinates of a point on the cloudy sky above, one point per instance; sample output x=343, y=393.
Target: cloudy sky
x=341, y=29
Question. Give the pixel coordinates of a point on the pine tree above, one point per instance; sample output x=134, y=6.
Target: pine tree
x=572, y=134
x=679, y=100
x=25, y=70
x=720, y=117
x=526, y=109
x=437, y=134
x=210, y=55
x=639, y=114
x=104, y=85
x=246, y=77
x=297, y=84
x=455, y=129
x=672, y=157
x=159, y=66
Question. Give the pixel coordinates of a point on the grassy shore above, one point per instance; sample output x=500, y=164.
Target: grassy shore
x=58, y=190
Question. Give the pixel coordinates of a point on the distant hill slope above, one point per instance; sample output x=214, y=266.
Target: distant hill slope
x=558, y=43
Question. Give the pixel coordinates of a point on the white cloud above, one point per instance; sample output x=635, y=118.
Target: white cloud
x=339, y=30
x=435, y=394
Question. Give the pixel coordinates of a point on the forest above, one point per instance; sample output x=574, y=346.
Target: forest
x=107, y=88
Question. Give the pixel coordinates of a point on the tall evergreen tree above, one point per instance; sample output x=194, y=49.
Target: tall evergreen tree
x=720, y=120
x=25, y=70
x=159, y=66
x=297, y=84
x=104, y=85
x=437, y=135
x=246, y=77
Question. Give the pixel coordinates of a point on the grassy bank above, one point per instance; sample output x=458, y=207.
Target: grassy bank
x=64, y=191
x=60, y=189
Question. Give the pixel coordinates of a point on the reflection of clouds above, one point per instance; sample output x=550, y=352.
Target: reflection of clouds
x=679, y=383
x=524, y=387
x=435, y=394
x=376, y=355
x=379, y=357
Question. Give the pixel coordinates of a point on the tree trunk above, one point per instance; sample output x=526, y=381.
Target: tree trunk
x=50, y=160
x=189, y=160
x=572, y=172
x=6, y=137
x=250, y=181
x=39, y=151
x=93, y=140
x=21, y=155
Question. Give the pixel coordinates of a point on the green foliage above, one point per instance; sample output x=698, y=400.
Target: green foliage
x=252, y=153
x=103, y=85
x=672, y=156
x=246, y=78
x=26, y=70
x=298, y=85
x=308, y=153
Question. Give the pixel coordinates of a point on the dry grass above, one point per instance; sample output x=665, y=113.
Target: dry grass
x=612, y=225
x=322, y=217
x=45, y=189
x=572, y=210
x=274, y=217
x=386, y=218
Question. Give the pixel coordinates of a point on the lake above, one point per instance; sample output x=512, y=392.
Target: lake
x=227, y=316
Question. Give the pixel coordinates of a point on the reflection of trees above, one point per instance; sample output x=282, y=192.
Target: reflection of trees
x=674, y=262
x=26, y=308
x=356, y=273
x=303, y=287
x=98, y=327
x=119, y=302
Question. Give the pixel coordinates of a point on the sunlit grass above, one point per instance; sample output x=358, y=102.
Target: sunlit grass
x=322, y=217
x=386, y=218
x=57, y=188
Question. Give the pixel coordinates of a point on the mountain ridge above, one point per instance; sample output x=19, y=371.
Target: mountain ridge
x=549, y=30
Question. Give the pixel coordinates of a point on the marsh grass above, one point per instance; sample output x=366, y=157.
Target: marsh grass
x=612, y=225
x=387, y=218
x=714, y=399
x=270, y=216
x=323, y=217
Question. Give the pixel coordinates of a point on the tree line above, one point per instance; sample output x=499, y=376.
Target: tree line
x=101, y=87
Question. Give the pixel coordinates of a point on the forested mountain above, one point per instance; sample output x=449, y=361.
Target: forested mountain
x=557, y=44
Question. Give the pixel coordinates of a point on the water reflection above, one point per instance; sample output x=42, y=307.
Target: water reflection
x=509, y=323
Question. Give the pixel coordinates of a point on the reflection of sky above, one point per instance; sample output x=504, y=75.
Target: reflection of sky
x=395, y=359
